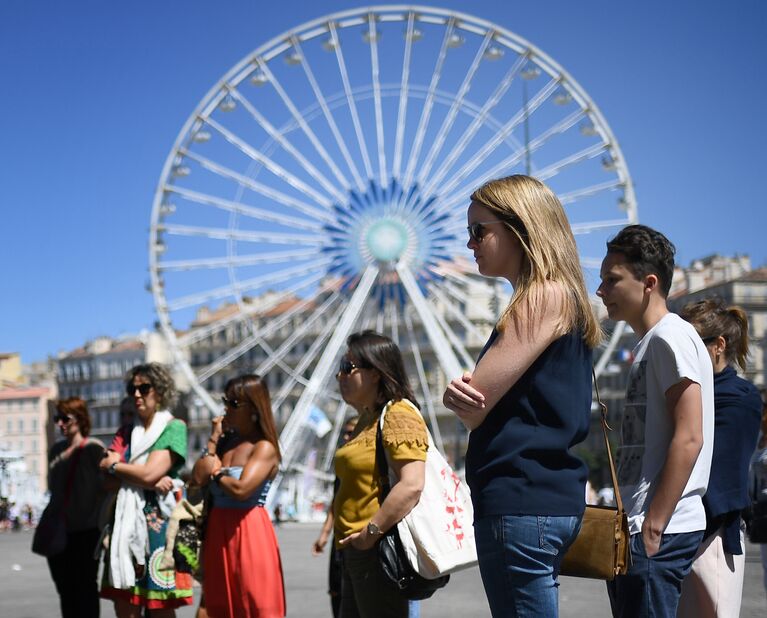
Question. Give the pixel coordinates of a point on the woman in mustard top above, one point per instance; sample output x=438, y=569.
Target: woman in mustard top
x=371, y=374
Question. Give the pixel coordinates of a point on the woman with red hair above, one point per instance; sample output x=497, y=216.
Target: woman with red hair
x=77, y=492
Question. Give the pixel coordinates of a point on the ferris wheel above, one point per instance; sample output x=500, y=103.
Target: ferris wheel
x=325, y=179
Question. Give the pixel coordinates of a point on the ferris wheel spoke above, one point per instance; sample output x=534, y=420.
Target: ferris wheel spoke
x=323, y=370
x=338, y=424
x=583, y=155
x=476, y=159
x=420, y=134
x=454, y=340
x=480, y=118
x=279, y=171
x=444, y=352
x=574, y=196
x=298, y=333
x=329, y=116
x=238, y=260
x=375, y=76
x=458, y=314
x=506, y=164
x=301, y=121
x=350, y=100
x=277, y=136
x=199, y=334
x=244, y=286
x=585, y=228
x=447, y=124
x=309, y=357
x=244, y=209
x=243, y=236
x=427, y=396
x=257, y=187
x=259, y=336
x=403, y=96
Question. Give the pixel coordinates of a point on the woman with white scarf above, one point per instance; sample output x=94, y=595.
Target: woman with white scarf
x=148, y=478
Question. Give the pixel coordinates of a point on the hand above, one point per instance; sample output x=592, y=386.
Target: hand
x=319, y=544
x=108, y=459
x=216, y=428
x=462, y=398
x=359, y=540
x=651, y=538
x=164, y=485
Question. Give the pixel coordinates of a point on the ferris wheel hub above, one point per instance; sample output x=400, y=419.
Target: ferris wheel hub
x=387, y=239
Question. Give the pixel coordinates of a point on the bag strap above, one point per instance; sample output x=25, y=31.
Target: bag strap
x=605, y=429
x=381, y=464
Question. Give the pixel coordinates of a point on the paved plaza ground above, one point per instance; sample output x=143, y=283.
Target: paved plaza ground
x=26, y=590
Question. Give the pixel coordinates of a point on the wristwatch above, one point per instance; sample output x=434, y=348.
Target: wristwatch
x=373, y=529
x=113, y=468
x=218, y=476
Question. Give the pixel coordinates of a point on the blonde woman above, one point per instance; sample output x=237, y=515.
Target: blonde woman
x=528, y=400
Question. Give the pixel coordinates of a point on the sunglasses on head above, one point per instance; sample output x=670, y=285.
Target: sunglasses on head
x=141, y=388
x=346, y=366
x=61, y=418
x=477, y=229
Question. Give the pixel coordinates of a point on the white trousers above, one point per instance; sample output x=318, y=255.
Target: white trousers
x=714, y=587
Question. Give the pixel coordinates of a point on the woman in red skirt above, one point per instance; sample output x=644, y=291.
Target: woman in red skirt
x=241, y=560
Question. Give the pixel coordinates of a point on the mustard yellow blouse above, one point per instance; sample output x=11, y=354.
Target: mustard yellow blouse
x=356, y=501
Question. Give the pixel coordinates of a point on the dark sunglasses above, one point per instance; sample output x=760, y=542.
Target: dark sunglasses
x=477, y=229
x=141, y=388
x=60, y=418
x=229, y=403
x=346, y=366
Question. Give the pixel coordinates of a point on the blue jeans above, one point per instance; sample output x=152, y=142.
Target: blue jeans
x=652, y=586
x=519, y=557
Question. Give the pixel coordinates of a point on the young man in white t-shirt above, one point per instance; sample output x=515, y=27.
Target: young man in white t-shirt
x=668, y=425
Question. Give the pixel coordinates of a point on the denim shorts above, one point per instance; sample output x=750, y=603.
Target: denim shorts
x=519, y=557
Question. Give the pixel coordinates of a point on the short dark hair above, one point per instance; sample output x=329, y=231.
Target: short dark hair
x=375, y=351
x=76, y=408
x=647, y=252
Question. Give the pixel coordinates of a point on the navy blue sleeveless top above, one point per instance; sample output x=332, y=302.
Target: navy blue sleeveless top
x=519, y=460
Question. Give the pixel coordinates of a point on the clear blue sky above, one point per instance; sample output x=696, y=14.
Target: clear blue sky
x=94, y=93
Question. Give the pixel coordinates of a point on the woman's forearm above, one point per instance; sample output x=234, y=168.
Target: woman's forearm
x=138, y=474
x=400, y=501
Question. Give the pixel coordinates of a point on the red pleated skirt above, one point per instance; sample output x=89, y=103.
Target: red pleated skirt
x=242, y=573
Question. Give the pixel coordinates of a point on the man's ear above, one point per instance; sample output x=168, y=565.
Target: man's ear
x=651, y=282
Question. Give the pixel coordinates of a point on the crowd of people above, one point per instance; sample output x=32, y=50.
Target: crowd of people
x=689, y=433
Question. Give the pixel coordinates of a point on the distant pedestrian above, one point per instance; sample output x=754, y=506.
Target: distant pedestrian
x=76, y=487
x=714, y=587
x=335, y=567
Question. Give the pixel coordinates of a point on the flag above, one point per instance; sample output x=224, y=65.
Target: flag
x=318, y=422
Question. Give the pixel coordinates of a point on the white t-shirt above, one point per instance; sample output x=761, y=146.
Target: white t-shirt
x=669, y=352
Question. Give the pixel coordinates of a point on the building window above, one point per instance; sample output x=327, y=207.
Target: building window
x=21, y=425
x=34, y=424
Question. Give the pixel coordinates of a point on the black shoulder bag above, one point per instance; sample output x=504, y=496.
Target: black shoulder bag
x=391, y=554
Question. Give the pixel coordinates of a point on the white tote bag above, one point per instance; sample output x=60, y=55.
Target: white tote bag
x=438, y=534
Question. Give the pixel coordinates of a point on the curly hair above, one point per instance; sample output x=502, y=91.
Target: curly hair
x=160, y=378
x=76, y=408
x=647, y=252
